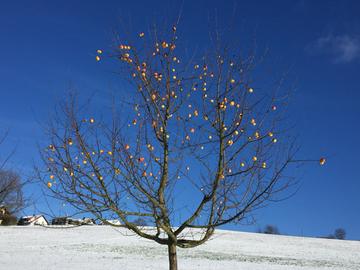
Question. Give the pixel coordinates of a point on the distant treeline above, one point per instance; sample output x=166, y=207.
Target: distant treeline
x=339, y=233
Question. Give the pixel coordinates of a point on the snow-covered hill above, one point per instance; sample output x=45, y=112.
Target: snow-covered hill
x=104, y=247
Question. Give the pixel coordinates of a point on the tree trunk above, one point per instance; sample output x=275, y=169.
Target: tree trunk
x=172, y=257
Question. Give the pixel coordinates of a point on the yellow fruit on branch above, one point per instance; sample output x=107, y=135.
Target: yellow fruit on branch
x=322, y=161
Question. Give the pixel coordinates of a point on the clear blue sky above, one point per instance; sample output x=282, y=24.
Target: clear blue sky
x=48, y=45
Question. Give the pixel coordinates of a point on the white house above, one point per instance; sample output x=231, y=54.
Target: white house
x=115, y=222
x=87, y=221
x=33, y=220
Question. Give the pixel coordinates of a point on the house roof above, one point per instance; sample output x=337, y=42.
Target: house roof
x=33, y=218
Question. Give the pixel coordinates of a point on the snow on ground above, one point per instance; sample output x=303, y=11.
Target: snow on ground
x=104, y=247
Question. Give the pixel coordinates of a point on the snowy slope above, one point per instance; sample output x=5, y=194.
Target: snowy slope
x=104, y=247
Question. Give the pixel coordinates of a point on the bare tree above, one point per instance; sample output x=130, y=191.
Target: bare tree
x=270, y=229
x=340, y=234
x=11, y=195
x=197, y=147
x=5, y=159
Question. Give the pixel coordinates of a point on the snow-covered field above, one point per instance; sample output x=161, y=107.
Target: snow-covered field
x=104, y=247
